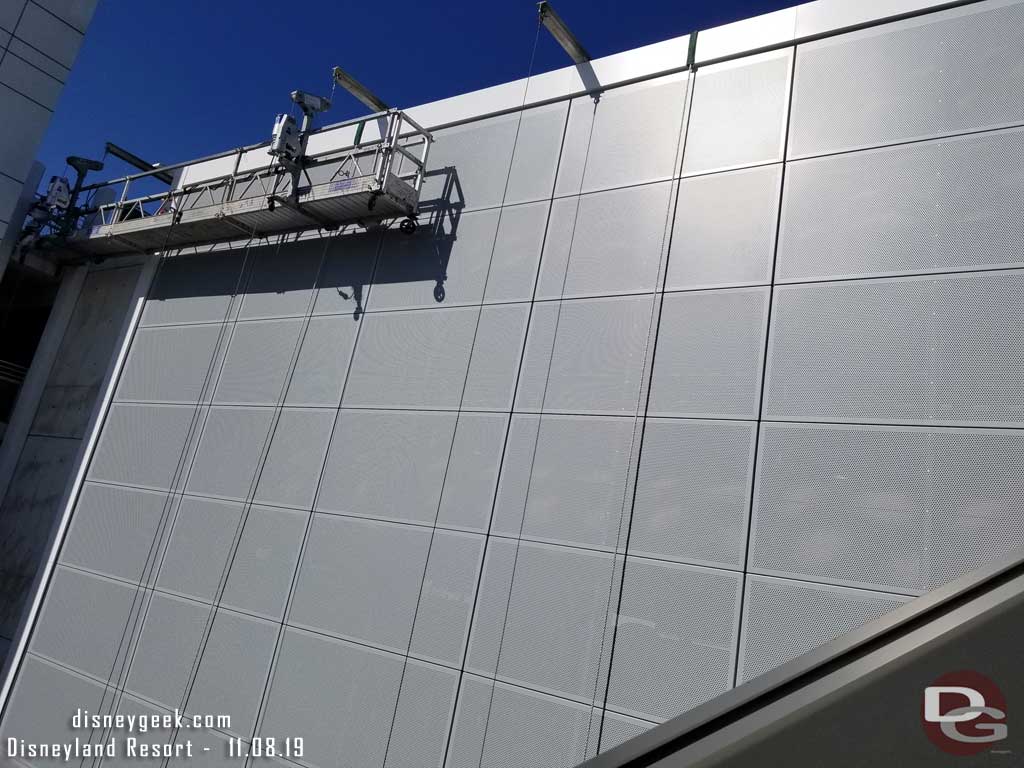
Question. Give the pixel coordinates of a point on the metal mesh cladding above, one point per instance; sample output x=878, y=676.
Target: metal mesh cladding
x=941, y=205
x=784, y=619
x=901, y=509
x=938, y=74
x=676, y=638
x=425, y=434
x=943, y=350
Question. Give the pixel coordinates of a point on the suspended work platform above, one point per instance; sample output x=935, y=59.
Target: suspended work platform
x=360, y=184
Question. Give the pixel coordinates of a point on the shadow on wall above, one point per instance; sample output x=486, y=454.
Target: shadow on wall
x=424, y=256
x=352, y=261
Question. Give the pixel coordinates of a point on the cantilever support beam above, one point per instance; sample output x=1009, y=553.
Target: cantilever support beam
x=137, y=162
x=360, y=91
x=558, y=29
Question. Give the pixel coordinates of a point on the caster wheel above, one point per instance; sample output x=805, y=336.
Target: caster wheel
x=439, y=293
x=408, y=226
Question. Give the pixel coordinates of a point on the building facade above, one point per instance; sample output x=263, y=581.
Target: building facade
x=681, y=376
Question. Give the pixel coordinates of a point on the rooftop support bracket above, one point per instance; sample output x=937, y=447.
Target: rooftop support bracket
x=562, y=33
x=360, y=91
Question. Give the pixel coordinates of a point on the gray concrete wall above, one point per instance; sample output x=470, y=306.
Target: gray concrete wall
x=725, y=364
x=48, y=457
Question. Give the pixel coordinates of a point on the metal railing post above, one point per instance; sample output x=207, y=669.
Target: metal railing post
x=120, y=203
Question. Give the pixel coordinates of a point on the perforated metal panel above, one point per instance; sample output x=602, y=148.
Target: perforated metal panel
x=451, y=251
x=634, y=138
x=495, y=361
x=621, y=728
x=168, y=646
x=710, y=353
x=323, y=360
x=538, y=146
x=296, y=456
x=676, y=641
x=43, y=702
x=199, y=547
x=739, y=113
x=170, y=364
x=784, y=619
x=517, y=252
x=947, y=205
x=492, y=601
x=516, y=728
x=131, y=705
x=533, y=370
x=559, y=731
x=229, y=452
x=350, y=569
x=937, y=74
x=470, y=723
x=469, y=163
x=446, y=597
x=343, y=284
x=283, y=279
x=596, y=365
x=203, y=740
x=694, y=491
x=557, y=623
x=579, y=481
x=258, y=359
x=724, y=233
x=82, y=621
x=419, y=734
x=233, y=670
x=516, y=469
x=142, y=445
x=901, y=509
x=606, y=243
x=411, y=359
x=387, y=464
x=944, y=350
x=476, y=453
x=314, y=693
x=113, y=530
x=195, y=289
x=263, y=566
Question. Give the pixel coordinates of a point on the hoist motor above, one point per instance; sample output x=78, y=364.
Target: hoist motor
x=58, y=193
x=288, y=141
x=284, y=142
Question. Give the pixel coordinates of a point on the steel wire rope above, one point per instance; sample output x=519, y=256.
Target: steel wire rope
x=636, y=420
x=250, y=497
x=643, y=396
x=282, y=622
x=135, y=619
x=540, y=416
x=168, y=503
x=469, y=363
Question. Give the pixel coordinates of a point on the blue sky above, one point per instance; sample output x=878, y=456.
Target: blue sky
x=179, y=79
